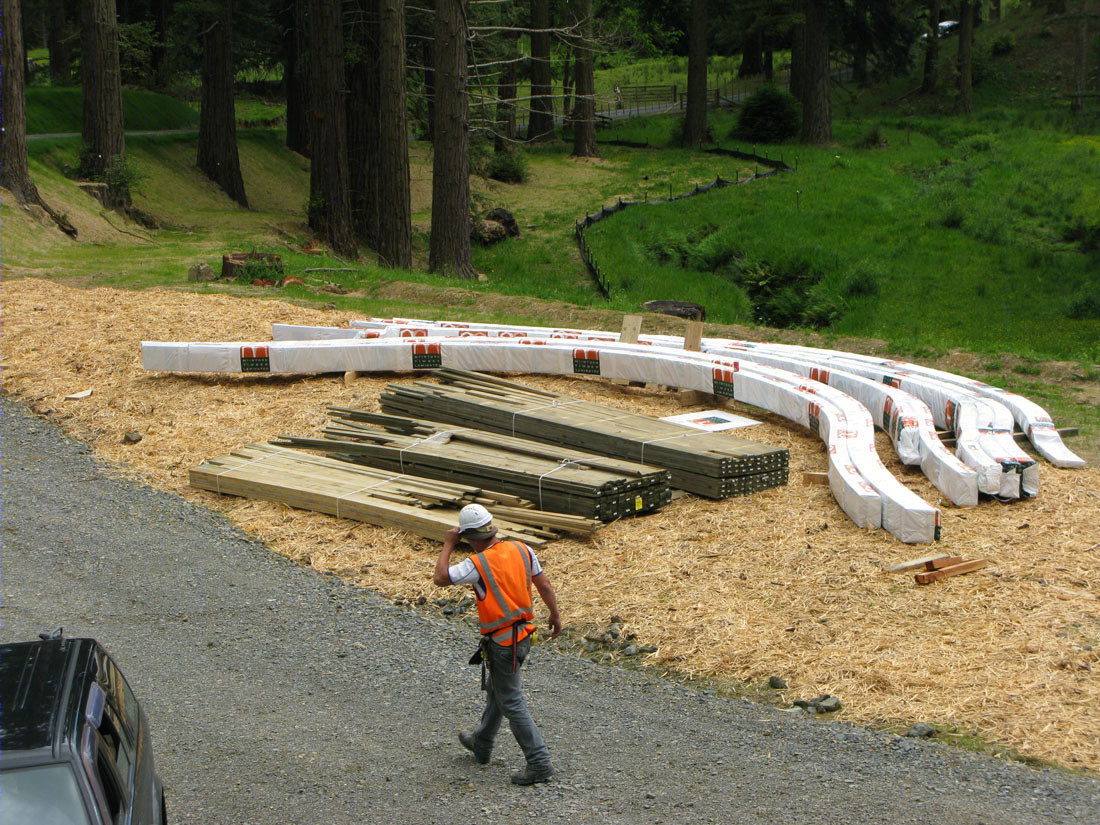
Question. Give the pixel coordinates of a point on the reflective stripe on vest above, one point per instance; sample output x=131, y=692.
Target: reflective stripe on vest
x=505, y=570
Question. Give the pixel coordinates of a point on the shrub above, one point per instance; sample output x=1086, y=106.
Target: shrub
x=508, y=167
x=861, y=282
x=770, y=115
x=1085, y=235
x=874, y=139
x=1086, y=306
x=1002, y=45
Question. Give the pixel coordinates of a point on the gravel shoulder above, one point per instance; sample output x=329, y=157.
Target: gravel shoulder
x=278, y=694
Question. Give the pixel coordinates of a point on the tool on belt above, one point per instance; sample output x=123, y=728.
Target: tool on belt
x=481, y=655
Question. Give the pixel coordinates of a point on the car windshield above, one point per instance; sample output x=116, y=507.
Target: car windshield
x=44, y=795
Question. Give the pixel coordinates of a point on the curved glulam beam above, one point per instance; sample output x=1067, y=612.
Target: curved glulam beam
x=906, y=419
x=1003, y=468
x=848, y=436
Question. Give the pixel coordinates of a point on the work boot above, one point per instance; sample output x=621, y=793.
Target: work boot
x=481, y=755
x=530, y=775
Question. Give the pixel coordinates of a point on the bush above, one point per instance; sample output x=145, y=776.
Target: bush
x=508, y=167
x=874, y=139
x=861, y=282
x=1086, y=306
x=1002, y=45
x=770, y=115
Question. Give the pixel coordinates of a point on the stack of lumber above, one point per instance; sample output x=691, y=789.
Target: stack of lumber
x=553, y=478
x=417, y=505
x=715, y=465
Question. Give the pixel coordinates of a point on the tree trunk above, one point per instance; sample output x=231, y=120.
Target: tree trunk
x=395, y=224
x=14, y=170
x=329, y=207
x=1080, y=41
x=568, y=81
x=506, y=92
x=292, y=18
x=217, y=157
x=159, y=55
x=57, y=40
x=449, y=246
x=695, y=121
x=14, y=167
x=798, y=81
x=540, y=119
x=364, y=160
x=752, y=53
x=427, y=60
x=966, y=50
x=101, y=123
x=584, y=108
x=817, y=126
x=932, y=49
x=862, y=45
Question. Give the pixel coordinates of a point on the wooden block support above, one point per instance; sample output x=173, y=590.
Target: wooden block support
x=349, y=377
x=693, y=336
x=930, y=576
x=815, y=478
x=914, y=564
x=939, y=564
x=632, y=326
x=690, y=397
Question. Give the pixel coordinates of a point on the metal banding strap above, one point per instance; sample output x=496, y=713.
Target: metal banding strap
x=665, y=438
x=565, y=462
x=441, y=437
x=264, y=457
x=361, y=489
x=541, y=407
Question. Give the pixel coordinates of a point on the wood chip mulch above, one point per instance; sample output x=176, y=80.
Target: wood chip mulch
x=778, y=583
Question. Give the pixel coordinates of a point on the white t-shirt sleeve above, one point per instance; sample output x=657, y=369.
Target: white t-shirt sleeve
x=465, y=572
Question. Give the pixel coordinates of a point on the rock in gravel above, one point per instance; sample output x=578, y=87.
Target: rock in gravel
x=131, y=437
x=921, y=730
x=777, y=683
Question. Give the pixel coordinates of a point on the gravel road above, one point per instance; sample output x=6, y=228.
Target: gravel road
x=280, y=695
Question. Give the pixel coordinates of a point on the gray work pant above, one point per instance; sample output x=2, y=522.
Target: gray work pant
x=504, y=698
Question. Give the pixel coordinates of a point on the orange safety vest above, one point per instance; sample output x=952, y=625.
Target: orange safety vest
x=505, y=570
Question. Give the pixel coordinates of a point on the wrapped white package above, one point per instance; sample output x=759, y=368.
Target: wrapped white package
x=1026, y=413
x=849, y=423
x=300, y=332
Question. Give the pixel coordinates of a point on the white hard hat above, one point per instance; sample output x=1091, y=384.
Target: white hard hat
x=475, y=522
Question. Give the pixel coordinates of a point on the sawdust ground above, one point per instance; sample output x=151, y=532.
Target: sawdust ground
x=778, y=583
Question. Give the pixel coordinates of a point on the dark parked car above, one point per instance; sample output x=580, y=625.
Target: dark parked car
x=75, y=742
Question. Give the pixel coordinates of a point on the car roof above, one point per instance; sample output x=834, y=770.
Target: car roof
x=41, y=701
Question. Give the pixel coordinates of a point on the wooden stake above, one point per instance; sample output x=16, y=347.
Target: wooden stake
x=954, y=570
x=693, y=336
x=913, y=564
x=632, y=326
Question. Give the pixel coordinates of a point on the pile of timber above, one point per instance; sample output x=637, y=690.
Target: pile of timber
x=553, y=478
x=715, y=465
x=417, y=505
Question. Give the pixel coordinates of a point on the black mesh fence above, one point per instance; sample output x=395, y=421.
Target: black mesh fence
x=581, y=227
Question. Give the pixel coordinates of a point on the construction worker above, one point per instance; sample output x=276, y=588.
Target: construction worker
x=501, y=573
